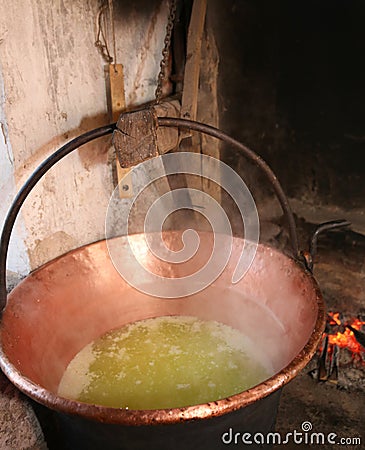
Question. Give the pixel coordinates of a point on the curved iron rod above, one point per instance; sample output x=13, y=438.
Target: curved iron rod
x=27, y=188
x=326, y=226
x=215, y=132
x=108, y=129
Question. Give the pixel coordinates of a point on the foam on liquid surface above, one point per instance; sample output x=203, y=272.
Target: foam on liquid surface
x=164, y=362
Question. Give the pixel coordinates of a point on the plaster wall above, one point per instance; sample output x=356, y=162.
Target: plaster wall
x=53, y=88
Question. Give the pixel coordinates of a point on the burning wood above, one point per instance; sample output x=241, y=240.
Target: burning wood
x=346, y=335
x=333, y=369
x=322, y=362
x=339, y=334
x=359, y=336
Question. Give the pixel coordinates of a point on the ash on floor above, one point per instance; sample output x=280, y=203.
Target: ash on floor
x=328, y=409
x=340, y=273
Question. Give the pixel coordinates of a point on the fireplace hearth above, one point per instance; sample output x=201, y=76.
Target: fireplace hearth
x=285, y=78
x=331, y=395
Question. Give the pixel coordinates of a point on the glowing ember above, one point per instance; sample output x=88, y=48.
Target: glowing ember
x=334, y=318
x=346, y=339
x=340, y=334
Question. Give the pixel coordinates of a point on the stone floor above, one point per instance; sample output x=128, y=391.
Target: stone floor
x=327, y=408
x=19, y=427
x=340, y=272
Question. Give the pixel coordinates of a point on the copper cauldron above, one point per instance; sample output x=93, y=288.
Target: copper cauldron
x=70, y=301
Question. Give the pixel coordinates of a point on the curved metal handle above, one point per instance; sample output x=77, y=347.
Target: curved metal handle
x=103, y=131
x=323, y=227
x=250, y=154
x=27, y=188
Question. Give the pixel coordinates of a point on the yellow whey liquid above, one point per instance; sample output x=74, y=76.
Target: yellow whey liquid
x=164, y=362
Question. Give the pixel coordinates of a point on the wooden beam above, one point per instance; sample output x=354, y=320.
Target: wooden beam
x=118, y=105
x=189, y=102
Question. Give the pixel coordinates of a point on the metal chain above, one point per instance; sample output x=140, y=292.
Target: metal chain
x=112, y=28
x=166, y=50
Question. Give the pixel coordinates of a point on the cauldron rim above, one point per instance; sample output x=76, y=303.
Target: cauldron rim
x=204, y=411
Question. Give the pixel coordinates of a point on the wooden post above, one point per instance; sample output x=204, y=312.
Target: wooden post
x=189, y=101
x=118, y=105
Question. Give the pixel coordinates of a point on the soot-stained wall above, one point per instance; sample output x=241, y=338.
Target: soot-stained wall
x=292, y=86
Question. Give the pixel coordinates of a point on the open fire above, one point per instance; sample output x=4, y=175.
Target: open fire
x=346, y=338
x=343, y=346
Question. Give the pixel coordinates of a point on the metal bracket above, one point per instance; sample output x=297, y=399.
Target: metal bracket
x=332, y=225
